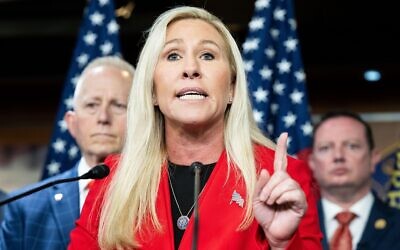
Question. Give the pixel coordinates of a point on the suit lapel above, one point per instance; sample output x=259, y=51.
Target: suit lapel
x=322, y=225
x=378, y=224
x=64, y=200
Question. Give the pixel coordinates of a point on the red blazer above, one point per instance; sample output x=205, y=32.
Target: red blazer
x=219, y=214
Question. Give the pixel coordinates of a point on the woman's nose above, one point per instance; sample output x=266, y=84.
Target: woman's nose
x=191, y=68
x=191, y=74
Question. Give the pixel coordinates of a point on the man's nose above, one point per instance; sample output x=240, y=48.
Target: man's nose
x=104, y=114
x=339, y=155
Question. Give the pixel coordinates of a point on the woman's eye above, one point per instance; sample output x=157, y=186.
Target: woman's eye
x=173, y=57
x=207, y=56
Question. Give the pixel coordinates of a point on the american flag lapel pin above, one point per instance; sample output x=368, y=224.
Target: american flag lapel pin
x=58, y=196
x=237, y=198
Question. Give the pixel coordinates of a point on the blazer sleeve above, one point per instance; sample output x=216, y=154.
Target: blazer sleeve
x=12, y=227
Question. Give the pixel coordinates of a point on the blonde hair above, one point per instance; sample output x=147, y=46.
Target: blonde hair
x=130, y=200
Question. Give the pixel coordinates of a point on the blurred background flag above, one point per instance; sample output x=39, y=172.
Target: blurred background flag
x=386, y=178
x=98, y=36
x=275, y=74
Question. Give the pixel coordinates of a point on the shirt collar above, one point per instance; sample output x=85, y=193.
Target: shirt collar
x=364, y=204
x=83, y=168
x=362, y=207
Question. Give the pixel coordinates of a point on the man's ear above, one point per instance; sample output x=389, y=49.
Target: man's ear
x=376, y=156
x=70, y=120
x=310, y=161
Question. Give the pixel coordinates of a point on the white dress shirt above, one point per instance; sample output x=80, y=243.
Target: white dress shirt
x=361, y=208
x=83, y=168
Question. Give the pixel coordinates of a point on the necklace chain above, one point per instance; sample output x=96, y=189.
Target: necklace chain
x=176, y=200
x=183, y=220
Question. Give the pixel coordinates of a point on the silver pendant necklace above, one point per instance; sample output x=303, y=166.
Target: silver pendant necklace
x=183, y=220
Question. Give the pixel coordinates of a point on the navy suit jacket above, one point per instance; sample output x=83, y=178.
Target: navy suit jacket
x=3, y=196
x=42, y=220
x=382, y=231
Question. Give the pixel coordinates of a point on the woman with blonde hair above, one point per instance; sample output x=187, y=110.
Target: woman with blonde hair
x=190, y=104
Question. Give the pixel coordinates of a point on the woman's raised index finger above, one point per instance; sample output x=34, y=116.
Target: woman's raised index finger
x=280, y=160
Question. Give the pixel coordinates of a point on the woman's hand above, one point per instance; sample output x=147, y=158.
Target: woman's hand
x=279, y=202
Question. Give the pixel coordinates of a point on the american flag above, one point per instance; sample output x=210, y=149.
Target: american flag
x=275, y=73
x=98, y=36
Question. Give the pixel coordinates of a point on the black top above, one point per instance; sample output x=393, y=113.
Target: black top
x=182, y=180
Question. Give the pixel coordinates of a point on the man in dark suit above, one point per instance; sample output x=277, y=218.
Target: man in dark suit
x=44, y=219
x=343, y=160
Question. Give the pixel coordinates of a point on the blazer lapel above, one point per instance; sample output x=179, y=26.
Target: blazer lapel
x=64, y=200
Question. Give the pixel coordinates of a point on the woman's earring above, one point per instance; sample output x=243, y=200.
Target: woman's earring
x=230, y=99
